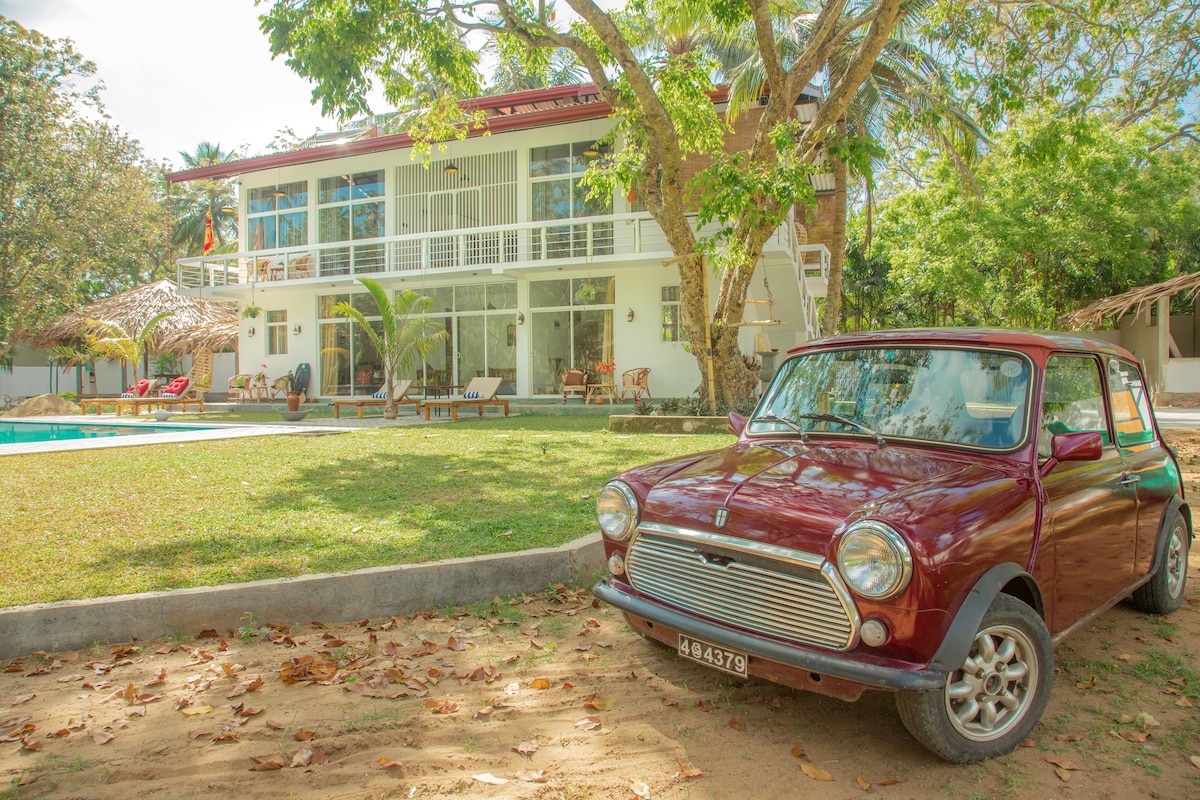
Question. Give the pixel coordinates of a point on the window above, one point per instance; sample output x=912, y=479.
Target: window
x=278, y=216
x=277, y=333
x=482, y=321
x=572, y=318
x=349, y=363
x=1130, y=403
x=555, y=173
x=672, y=325
x=1073, y=400
x=350, y=208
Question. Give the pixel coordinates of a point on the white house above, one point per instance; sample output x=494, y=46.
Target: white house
x=528, y=275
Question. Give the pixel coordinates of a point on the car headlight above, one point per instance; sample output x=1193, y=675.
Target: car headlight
x=874, y=560
x=617, y=510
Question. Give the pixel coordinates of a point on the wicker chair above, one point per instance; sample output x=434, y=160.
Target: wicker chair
x=574, y=380
x=636, y=381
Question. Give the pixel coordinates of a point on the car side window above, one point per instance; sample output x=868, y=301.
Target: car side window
x=1130, y=403
x=1073, y=400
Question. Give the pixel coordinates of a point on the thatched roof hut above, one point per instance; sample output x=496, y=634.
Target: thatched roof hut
x=132, y=310
x=1119, y=305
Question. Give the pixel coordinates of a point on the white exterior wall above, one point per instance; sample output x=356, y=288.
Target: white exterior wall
x=639, y=279
x=30, y=381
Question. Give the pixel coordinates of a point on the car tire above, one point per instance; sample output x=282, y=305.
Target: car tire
x=1164, y=592
x=992, y=702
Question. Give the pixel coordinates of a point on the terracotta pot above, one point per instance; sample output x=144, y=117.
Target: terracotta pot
x=293, y=401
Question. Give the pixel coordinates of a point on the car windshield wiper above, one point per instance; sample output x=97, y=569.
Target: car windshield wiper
x=771, y=416
x=845, y=421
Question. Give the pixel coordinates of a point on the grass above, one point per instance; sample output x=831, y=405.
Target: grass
x=95, y=523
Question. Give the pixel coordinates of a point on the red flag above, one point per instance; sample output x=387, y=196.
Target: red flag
x=210, y=241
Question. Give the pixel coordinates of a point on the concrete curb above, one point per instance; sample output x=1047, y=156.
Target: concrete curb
x=369, y=593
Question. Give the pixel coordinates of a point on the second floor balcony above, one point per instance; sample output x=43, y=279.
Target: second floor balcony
x=609, y=239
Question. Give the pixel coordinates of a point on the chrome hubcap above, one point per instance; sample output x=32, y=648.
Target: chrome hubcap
x=1175, y=563
x=992, y=690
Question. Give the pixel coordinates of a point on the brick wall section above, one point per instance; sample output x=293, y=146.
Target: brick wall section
x=818, y=222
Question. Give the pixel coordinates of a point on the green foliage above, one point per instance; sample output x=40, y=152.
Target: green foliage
x=114, y=343
x=80, y=214
x=1063, y=215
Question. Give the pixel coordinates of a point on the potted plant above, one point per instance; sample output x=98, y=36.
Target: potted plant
x=293, y=392
x=251, y=312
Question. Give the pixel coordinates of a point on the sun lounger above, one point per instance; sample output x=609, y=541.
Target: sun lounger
x=480, y=392
x=181, y=392
x=400, y=393
x=135, y=391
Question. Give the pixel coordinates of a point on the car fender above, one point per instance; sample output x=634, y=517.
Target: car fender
x=1164, y=527
x=956, y=644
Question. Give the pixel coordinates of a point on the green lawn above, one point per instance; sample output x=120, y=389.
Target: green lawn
x=102, y=522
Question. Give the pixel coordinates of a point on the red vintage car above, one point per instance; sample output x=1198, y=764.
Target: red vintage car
x=921, y=511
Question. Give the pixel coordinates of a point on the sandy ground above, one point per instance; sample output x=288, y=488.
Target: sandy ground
x=552, y=697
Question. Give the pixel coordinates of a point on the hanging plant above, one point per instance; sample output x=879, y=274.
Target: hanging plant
x=586, y=293
x=251, y=312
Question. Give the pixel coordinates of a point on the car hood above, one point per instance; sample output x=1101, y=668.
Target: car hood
x=797, y=495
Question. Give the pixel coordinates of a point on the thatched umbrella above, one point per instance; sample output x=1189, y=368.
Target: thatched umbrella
x=1119, y=305
x=219, y=336
x=133, y=309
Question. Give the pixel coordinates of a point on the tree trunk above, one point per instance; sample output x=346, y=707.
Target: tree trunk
x=837, y=255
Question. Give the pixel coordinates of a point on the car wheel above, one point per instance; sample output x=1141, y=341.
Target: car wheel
x=1163, y=593
x=991, y=703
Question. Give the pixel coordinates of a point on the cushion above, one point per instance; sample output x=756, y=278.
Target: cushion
x=472, y=395
x=176, y=387
x=381, y=394
x=168, y=394
x=142, y=387
x=128, y=394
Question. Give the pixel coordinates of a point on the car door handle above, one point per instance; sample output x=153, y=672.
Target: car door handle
x=1129, y=480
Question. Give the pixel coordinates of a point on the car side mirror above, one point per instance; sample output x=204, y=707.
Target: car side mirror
x=737, y=423
x=1076, y=446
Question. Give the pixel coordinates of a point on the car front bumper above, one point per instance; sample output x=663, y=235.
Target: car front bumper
x=833, y=665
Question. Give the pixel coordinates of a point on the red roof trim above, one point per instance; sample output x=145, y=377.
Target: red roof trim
x=503, y=122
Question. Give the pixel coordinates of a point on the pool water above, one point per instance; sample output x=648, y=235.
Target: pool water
x=36, y=432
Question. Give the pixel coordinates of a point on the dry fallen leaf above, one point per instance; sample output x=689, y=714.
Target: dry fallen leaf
x=1061, y=761
x=1195, y=761
x=686, y=771
x=815, y=772
x=269, y=762
x=192, y=711
x=736, y=724
x=387, y=763
x=101, y=737
x=640, y=789
x=488, y=777
x=1064, y=775
x=863, y=783
x=540, y=683
x=526, y=748
x=588, y=723
x=537, y=776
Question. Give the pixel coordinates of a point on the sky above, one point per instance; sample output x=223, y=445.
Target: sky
x=179, y=72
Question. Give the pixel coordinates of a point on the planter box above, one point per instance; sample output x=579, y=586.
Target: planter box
x=647, y=423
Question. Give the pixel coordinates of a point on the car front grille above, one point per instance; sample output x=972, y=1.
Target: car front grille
x=759, y=588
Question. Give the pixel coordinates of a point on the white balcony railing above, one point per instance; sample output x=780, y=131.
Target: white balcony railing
x=592, y=239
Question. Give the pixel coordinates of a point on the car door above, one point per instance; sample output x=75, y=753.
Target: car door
x=1150, y=466
x=1090, y=521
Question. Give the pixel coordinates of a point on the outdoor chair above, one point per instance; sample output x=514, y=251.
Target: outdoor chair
x=636, y=382
x=239, y=387
x=480, y=392
x=574, y=380
x=134, y=392
x=399, y=394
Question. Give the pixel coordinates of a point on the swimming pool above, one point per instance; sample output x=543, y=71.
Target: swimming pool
x=61, y=434
x=38, y=432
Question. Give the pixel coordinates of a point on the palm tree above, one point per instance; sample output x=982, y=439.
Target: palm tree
x=81, y=357
x=120, y=345
x=405, y=333
x=201, y=198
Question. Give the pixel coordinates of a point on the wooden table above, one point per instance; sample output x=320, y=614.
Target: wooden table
x=601, y=389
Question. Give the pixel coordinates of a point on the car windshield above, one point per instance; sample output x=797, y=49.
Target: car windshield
x=976, y=398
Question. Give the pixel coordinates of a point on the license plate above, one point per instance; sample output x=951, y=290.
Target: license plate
x=711, y=655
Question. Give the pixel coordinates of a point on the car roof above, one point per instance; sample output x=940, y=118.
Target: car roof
x=1013, y=338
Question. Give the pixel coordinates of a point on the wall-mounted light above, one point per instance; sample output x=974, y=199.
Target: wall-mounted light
x=629, y=316
x=520, y=317
x=280, y=192
x=250, y=332
x=591, y=151
x=296, y=329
